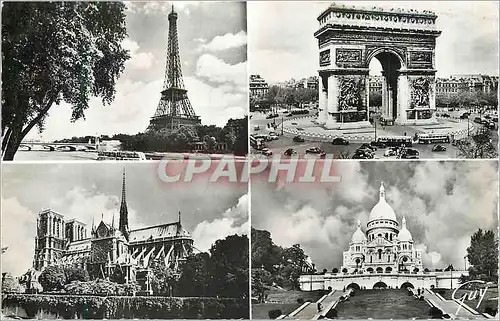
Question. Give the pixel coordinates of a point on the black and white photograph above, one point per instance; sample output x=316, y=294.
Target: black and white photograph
x=392, y=240
x=123, y=80
x=374, y=80
x=113, y=241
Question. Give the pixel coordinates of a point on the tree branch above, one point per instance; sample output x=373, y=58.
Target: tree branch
x=40, y=115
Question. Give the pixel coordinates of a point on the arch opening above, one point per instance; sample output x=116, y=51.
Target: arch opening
x=386, y=84
x=407, y=285
x=379, y=285
x=353, y=286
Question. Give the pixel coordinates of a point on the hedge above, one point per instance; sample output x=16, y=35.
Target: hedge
x=120, y=307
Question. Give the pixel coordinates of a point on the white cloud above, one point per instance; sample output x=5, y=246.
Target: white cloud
x=234, y=221
x=18, y=228
x=282, y=48
x=215, y=105
x=161, y=7
x=138, y=60
x=225, y=42
x=218, y=71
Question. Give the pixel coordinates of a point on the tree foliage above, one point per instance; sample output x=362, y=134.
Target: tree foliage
x=196, y=277
x=478, y=145
x=74, y=273
x=10, y=284
x=53, y=52
x=52, y=278
x=234, y=134
x=482, y=254
x=285, y=265
x=221, y=273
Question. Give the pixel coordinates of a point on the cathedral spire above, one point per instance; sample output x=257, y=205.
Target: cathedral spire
x=404, y=222
x=358, y=223
x=123, y=224
x=179, y=217
x=382, y=190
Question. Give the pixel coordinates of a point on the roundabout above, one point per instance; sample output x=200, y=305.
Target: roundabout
x=308, y=128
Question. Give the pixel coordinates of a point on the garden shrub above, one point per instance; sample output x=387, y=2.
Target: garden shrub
x=129, y=307
x=275, y=313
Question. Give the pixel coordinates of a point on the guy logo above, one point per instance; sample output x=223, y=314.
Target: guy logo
x=472, y=295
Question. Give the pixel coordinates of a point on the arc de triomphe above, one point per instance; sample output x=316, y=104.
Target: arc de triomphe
x=402, y=40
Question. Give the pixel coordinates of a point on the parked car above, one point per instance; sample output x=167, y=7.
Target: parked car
x=410, y=154
x=290, y=152
x=360, y=154
x=438, y=148
x=490, y=125
x=390, y=152
x=266, y=151
x=270, y=116
x=314, y=150
x=378, y=144
x=256, y=128
x=365, y=145
x=340, y=141
x=445, y=115
x=464, y=116
x=478, y=120
x=271, y=137
x=298, y=139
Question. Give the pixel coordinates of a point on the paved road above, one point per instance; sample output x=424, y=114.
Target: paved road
x=285, y=142
x=339, y=151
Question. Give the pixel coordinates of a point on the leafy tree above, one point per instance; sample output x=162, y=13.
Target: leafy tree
x=477, y=145
x=55, y=51
x=264, y=252
x=260, y=281
x=164, y=279
x=376, y=99
x=52, y=278
x=483, y=256
x=10, y=284
x=229, y=266
x=195, y=278
x=73, y=273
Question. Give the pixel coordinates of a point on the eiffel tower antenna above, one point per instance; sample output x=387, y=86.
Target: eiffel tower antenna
x=174, y=109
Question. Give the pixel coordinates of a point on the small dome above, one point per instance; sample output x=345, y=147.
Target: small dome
x=404, y=235
x=382, y=210
x=358, y=236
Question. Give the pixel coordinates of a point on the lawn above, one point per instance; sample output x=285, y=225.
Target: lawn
x=284, y=300
x=383, y=304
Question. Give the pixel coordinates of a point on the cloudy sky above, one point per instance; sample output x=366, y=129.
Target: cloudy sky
x=212, y=41
x=281, y=43
x=210, y=211
x=444, y=204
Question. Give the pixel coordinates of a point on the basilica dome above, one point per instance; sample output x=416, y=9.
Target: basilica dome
x=382, y=210
x=404, y=235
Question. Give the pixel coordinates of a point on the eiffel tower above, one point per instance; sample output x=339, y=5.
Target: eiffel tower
x=174, y=109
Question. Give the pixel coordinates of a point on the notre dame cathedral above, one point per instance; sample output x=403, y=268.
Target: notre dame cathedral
x=110, y=250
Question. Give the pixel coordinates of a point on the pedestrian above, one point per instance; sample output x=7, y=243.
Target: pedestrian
x=320, y=308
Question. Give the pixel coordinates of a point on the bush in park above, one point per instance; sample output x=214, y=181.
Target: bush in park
x=275, y=313
x=101, y=287
x=435, y=313
x=116, y=307
x=11, y=285
x=52, y=278
x=332, y=314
